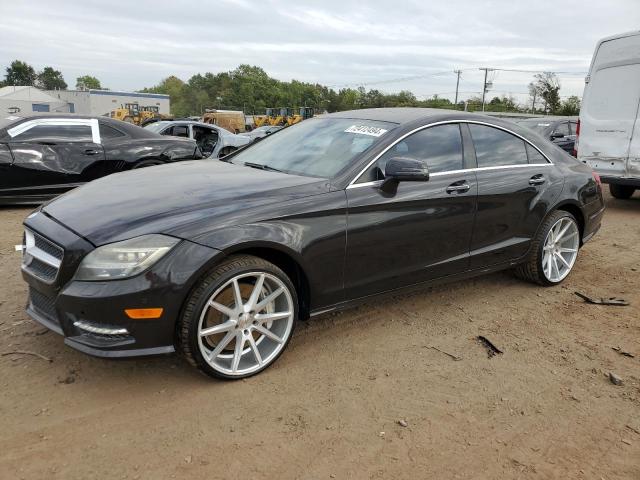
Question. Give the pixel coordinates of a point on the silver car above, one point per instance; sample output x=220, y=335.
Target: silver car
x=214, y=142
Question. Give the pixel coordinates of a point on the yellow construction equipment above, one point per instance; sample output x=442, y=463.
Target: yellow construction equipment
x=129, y=113
x=304, y=113
x=277, y=116
x=134, y=113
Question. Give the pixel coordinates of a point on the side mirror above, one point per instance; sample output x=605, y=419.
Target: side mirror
x=556, y=135
x=406, y=169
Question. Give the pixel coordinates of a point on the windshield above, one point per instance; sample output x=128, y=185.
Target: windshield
x=319, y=147
x=156, y=126
x=536, y=125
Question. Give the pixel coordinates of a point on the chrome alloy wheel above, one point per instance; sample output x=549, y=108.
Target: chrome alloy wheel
x=560, y=249
x=246, y=323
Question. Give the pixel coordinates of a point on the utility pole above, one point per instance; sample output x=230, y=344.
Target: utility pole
x=457, y=72
x=533, y=104
x=484, y=86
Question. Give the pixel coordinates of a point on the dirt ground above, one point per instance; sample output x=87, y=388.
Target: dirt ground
x=331, y=406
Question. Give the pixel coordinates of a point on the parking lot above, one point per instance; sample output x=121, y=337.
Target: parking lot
x=357, y=395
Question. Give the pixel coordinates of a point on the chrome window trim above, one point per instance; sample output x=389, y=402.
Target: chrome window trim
x=86, y=122
x=353, y=183
x=457, y=172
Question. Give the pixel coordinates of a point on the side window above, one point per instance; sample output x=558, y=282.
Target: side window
x=177, y=131
x=534, y=155
x=497, y=148
x=562, y=129
x=108, y=133
x=440, y=147
x=55, y=134
x=206, y=138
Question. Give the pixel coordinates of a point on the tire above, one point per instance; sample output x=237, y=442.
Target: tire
x=212, y=305
x=621, y=191
x=148, y=163
x=128, y=120
x=544, y=265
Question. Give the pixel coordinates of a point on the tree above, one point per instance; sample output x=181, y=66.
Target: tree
x=20, y=73
x=50, y=79
x=548, y=85
x=571, y=106
x=87, y=82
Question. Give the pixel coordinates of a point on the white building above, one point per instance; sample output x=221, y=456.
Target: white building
x=102, y=102
x=17, y=99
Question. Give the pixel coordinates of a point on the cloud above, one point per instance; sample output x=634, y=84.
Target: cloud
x=130, y=45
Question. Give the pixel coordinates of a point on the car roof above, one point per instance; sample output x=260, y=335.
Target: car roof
x=401, y=115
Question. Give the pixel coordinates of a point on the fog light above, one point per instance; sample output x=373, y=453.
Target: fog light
x=88, y=327
x=143, y=313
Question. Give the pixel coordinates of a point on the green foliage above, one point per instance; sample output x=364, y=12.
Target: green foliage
x=87, y=82
x=50, y=79
x=570, y=107
x=20, y=73
x=547, y=87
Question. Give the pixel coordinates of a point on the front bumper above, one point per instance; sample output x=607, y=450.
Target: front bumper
x=91, y=315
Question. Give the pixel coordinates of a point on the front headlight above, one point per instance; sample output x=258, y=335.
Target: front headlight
x=124, y=259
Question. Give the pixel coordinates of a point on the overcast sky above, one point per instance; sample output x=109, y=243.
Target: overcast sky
x=130, y=45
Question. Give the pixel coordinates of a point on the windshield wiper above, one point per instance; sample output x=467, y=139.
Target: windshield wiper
x=260, y=166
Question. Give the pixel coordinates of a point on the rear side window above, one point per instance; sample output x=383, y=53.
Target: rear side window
x=534, y=155
x=107, y=132
x=497, y=148
x=439, y=146
x=56, y=134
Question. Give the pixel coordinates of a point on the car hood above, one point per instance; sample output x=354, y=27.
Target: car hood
x=182, y=199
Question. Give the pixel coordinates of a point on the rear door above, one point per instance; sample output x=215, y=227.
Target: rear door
x=516, y=183
x=608, y=118
x=419, y=230
x=52, y=155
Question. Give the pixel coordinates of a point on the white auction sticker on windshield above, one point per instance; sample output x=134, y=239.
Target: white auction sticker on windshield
x=365, y=130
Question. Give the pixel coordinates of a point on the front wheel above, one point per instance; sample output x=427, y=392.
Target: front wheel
x=240, y=318
x=553, y=251
x=621, y=191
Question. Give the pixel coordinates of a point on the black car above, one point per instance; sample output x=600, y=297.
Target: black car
x=218, y=259
x=561, y=131
x=43, y=156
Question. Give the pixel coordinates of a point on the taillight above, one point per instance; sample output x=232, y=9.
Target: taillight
x=596, y=177
x=575, y=145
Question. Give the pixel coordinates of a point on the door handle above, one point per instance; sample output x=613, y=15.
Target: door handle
x=537, y=180
x=458, y=187
x=91, y=151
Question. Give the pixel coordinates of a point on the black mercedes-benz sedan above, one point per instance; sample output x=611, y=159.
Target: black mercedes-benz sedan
x=219, y=259
x=42, y=156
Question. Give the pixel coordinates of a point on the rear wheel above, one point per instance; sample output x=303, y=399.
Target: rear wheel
x=621, y=191
x=554, y=250
x=240, y=318
x=128, y=119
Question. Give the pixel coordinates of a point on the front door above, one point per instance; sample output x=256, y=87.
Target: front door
x=416, y=231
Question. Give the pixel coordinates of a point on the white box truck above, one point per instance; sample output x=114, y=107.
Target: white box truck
x=609, y=128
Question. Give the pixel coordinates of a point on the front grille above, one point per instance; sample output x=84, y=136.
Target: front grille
x=42, y=270
x=41, y=257
x=48, y=246
x=43, y=305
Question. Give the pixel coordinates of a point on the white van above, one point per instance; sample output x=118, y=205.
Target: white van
x=609, y=130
